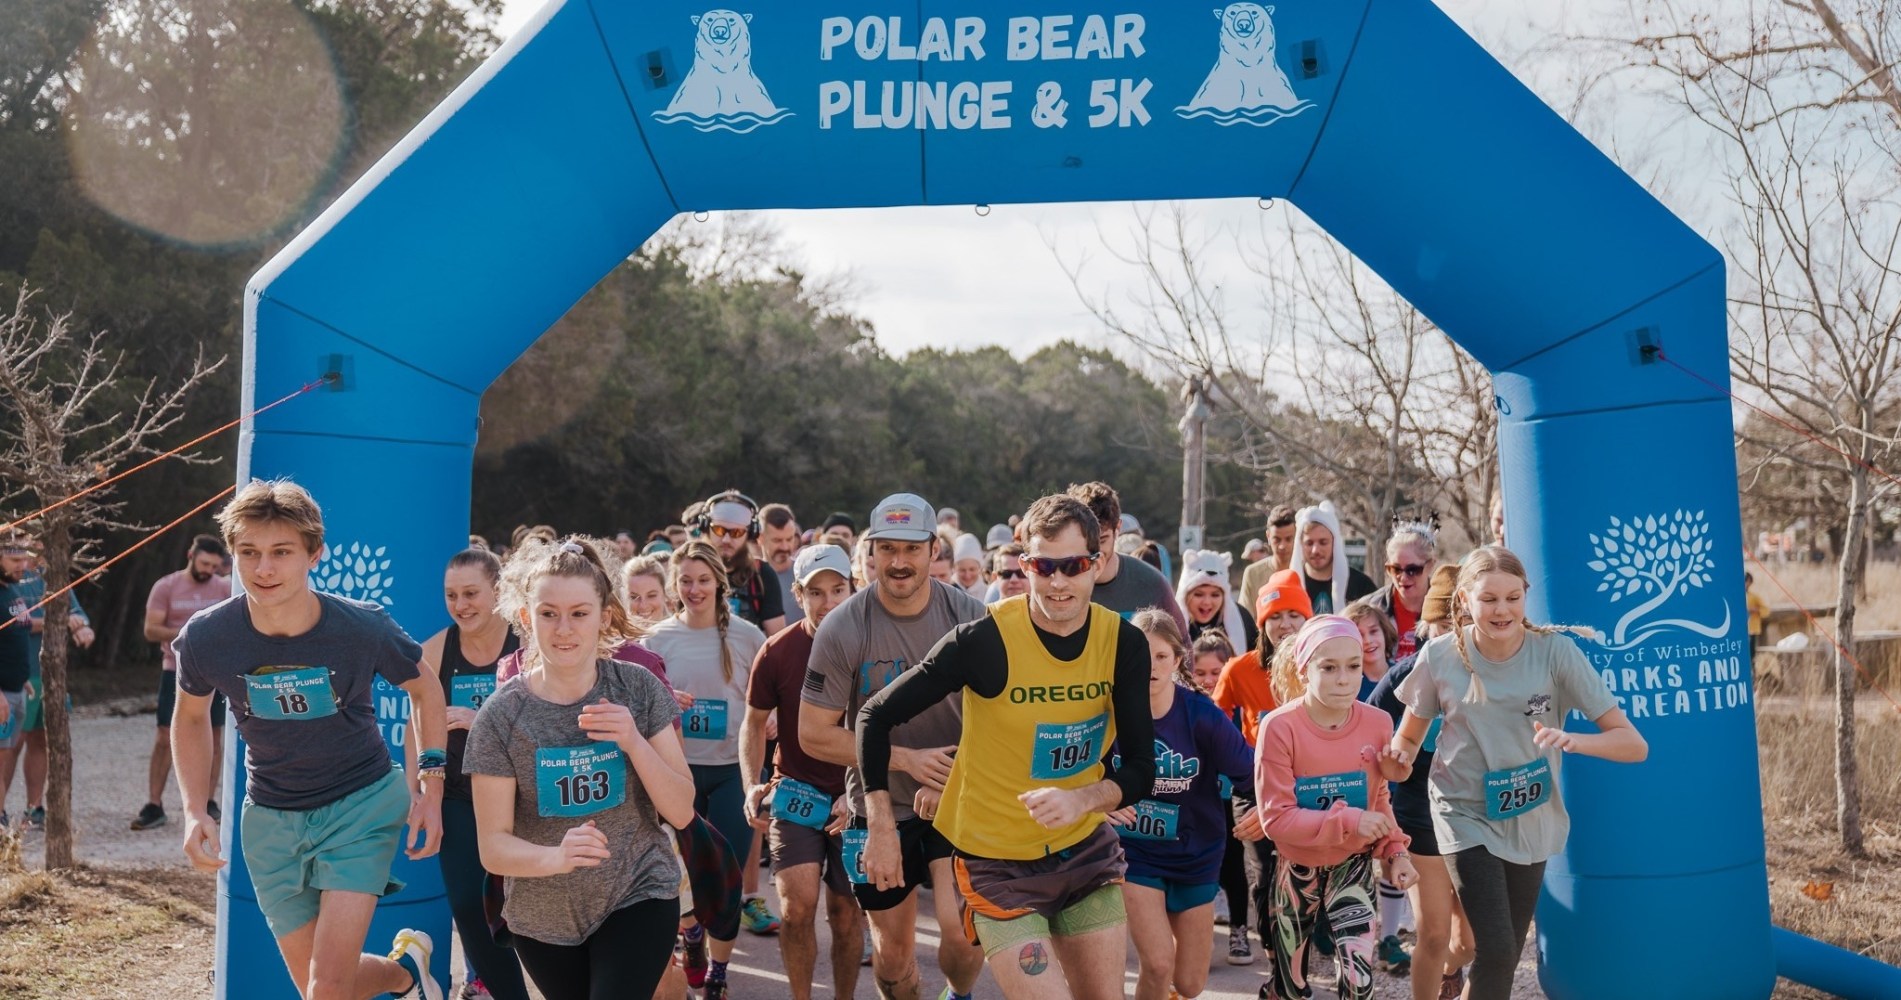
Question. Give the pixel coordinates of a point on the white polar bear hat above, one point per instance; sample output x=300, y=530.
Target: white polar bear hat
x=1201, y=566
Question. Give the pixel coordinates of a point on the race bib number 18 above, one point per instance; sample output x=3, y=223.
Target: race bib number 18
x=1065, y=749
x=292, y=695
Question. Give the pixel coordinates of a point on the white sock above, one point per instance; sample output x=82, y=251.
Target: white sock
x=1394, y=909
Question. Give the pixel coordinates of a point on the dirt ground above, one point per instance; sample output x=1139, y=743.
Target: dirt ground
x=138, y=923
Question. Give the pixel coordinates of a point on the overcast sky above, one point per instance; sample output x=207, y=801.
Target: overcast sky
x=944, y=277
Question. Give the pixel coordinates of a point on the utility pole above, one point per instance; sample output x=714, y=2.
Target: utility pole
x=1194, y=428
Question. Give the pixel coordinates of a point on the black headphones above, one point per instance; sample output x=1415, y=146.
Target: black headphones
x=703, y=522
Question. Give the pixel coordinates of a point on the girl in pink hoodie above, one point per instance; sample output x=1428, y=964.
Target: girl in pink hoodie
x=1320, y=778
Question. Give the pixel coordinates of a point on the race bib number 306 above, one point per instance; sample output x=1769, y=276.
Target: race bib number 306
x=1065, y=749
x=1154, y=821
x=292, y=695
x=579, y=781
x=1517, y=790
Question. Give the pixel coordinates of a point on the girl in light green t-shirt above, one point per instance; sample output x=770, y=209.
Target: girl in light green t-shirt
x=1503, y=687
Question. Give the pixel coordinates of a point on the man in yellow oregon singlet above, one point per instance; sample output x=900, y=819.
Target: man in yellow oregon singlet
x=1048, y=681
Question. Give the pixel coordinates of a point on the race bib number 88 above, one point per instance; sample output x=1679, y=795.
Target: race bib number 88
x=797, y=802
x=1065, y=749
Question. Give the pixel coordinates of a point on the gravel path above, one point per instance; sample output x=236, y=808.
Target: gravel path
x=111, y=753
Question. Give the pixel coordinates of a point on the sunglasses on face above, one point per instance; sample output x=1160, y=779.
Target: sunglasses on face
x=1410, y=569
x=1072, y=566
x=722, y=531
x=1009, y=574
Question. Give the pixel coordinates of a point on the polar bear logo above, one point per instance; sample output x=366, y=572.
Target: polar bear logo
x=1246, y=86
x=720, y=92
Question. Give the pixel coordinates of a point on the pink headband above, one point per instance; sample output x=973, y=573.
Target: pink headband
x=1319, y=630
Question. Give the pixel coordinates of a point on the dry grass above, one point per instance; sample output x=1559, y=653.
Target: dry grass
x=1814, y=584
x=101, y=935
x=1859, y=895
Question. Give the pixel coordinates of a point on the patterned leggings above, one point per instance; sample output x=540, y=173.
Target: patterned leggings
x=1341, y=894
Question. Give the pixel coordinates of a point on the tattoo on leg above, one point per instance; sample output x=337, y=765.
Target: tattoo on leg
x=888, y=988
x=1034, y=959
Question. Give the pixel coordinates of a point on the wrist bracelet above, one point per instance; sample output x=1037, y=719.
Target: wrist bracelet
x=432, y=758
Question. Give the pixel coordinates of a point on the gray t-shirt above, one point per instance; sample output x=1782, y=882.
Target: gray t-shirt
x=303, y=702
x=710, y=729
x=1138, y=585
x=785, y=593
x=860, y=648
x=1490, y=786
x=541, y=746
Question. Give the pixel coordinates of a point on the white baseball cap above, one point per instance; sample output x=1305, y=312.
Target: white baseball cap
x=815, y=559
x=903, y=517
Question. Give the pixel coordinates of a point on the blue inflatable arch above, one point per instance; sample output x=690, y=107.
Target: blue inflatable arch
x=598, y=122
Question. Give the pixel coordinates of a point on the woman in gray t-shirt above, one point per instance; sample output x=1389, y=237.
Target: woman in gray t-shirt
x=1504, y=687
x=575, y=766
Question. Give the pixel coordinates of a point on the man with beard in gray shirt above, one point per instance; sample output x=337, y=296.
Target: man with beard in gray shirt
x=862, y=646
x=1125, y=586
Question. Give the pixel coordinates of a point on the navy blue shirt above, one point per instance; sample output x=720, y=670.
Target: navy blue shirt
x=314, y=739
x=16, y=640
x=1195, y=744
x=1411, y=809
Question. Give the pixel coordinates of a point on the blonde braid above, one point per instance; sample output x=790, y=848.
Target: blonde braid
x=1475, y=695
x=722, y=615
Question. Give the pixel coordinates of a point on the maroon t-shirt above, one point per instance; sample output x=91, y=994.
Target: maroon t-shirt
x=778, y=674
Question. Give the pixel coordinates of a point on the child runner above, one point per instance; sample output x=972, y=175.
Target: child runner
x=709, y=654
x=1378, y=639
x=1321, y=780
x=465, y=654
x=1207, y=598
x=1443, y=943
x=1496, y=809
x=574, y=766
x=1170, y=836
x=1246, y=689
x=1210, y=654
x=324, y=808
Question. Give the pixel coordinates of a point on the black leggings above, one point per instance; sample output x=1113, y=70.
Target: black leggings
x=1234, y=882
x=624, y=958
x=1499, y=898
x=465, y=881
x=1259, y=858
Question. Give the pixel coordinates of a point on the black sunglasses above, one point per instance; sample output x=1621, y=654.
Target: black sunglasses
x=1072, y=566
x=1009, y=574
x=1410, y=569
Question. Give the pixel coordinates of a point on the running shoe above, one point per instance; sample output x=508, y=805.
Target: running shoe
x=693, y=960
x=715, y=989
x=1393, y=956
x=150, y=818
x=1239, y=951
x=1452, y=985
x=6, y=822
x=411, y=950
x=36, y=818
x=1221, y=909
x=757, y=918
x=474, y=990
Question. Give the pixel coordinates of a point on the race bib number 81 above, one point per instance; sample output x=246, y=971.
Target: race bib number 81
x=1065, y=749
x=292, y=695
x=579, y=781
x=706, y=720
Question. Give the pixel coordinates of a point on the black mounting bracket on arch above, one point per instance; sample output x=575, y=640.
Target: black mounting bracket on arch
x=1646, y=345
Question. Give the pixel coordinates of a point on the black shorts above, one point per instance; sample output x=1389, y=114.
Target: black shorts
x=168, y=702
x=921, y=844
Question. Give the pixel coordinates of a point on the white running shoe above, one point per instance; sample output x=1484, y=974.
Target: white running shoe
x=416, y=947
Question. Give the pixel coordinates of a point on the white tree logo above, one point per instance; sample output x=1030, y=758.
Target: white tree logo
x=357, y=572
x=1650, y=560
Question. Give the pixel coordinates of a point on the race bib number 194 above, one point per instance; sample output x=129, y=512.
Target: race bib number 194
x=1065, y=749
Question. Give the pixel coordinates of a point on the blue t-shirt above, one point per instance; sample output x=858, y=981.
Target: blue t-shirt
x=1195, y=744
x=303, y=703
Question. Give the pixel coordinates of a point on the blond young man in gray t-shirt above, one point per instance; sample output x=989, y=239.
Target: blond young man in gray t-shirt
x=862, y=646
